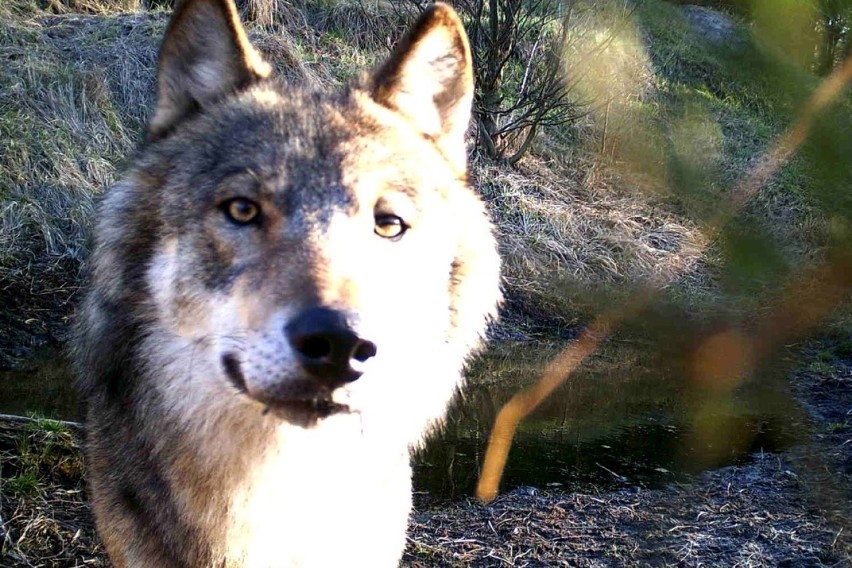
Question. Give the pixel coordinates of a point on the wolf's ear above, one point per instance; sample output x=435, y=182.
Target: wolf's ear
x=429, y=79
x=205, y=56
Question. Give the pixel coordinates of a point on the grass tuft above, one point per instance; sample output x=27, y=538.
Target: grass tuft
x=24, y=485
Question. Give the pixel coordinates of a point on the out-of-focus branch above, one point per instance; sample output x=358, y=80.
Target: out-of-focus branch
x=793, y=315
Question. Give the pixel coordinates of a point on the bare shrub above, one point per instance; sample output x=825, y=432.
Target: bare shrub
x=517, y=48
x=366, y=24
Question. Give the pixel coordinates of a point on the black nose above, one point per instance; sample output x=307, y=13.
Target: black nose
x=327, y=347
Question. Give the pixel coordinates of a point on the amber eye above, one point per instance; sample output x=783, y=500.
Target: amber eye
x=390, y=226
x=242, y=211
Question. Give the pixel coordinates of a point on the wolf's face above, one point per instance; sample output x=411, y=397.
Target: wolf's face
x=304, y=253
x=308, y=255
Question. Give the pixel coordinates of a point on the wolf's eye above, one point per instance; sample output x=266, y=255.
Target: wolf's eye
x=241, y=211
x=390, y=226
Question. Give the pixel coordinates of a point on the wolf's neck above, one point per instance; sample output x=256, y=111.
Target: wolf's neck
x=326, y=492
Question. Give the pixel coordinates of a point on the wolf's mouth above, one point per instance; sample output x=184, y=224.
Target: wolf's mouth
x=307, y=400
x=318, y=407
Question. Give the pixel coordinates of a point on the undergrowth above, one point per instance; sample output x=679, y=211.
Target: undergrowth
x=674, y=121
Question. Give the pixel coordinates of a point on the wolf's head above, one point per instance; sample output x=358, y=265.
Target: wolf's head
x=275, y=247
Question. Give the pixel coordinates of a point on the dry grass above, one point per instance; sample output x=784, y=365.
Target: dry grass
x=739, y=516
x=562, y=227
x=616, y=201
x=72, y=100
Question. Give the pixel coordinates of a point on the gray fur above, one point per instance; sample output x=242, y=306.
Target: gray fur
x=185, y=467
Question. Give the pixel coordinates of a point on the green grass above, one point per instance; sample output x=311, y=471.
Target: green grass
x=45, y=448
x=72, y=103
x=24, y=485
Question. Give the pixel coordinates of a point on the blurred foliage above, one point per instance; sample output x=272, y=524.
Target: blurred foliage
x=694, y=113
x=817, y=33
x=732, y=126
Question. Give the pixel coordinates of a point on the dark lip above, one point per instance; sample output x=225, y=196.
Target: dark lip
x=234, y=372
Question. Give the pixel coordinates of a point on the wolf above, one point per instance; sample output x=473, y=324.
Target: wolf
x=285, y=285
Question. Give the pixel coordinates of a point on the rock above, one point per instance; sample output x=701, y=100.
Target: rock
x=713, y=25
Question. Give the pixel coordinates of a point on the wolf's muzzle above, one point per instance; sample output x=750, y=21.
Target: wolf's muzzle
x=327, y=347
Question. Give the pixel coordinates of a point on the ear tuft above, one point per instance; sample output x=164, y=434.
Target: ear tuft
x=429, y=79
x=205, y=56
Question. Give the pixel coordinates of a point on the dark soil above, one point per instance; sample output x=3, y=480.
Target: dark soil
x=757, y=515
x=33, y=315
x=790, y=509
x=825, y=389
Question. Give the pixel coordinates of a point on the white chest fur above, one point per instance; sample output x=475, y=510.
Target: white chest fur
x=327, y=496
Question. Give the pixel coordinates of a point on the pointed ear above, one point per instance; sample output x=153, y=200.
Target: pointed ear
x=205, y=56
x=429, y=79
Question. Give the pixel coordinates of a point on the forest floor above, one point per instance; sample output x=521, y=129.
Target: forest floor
x=787, y=509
